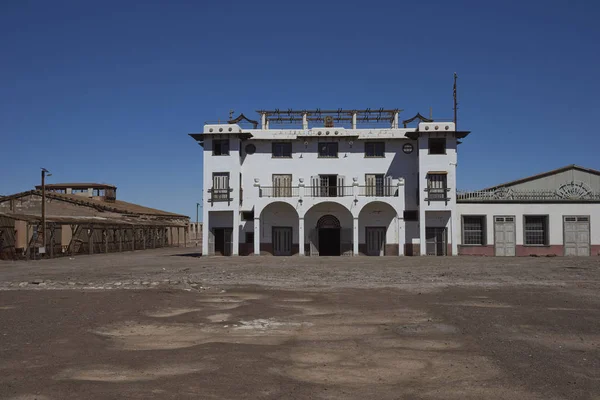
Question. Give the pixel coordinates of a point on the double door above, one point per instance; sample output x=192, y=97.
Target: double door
x=504, y=236
x=436, y=241
x=375, y=238
x=282, y=241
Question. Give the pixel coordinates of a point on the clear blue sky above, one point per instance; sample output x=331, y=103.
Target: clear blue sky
x=108, y=91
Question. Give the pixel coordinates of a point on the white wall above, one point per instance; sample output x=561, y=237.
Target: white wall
x=554, y=211
x=278, y=214
x=378, y=215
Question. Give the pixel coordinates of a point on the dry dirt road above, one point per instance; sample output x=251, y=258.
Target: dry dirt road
x=159, y=324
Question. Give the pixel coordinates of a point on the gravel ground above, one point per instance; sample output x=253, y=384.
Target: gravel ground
x=167, y=324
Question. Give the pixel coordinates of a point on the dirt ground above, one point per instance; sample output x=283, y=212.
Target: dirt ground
x=168, y=325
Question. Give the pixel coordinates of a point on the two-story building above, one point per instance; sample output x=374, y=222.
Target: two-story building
x=338, y=182
x=351, y=182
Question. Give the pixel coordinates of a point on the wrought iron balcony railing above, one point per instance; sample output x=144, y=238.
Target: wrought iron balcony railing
x=437, y=194
x=328, y=191
x=279, y=191
x=378, y=191
x=220, y=195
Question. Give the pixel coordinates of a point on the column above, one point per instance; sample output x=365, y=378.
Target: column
x=355, y=237
x=455, y=232
x=401, y=234
x=257, y=236
x=422, y=224
x=205, y=225
x=236, y=233
x=301, y=236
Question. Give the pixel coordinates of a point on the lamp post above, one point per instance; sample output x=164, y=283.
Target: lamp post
x=45, y=173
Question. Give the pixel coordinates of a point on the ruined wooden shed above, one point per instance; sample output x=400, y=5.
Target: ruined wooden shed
x=78, y=224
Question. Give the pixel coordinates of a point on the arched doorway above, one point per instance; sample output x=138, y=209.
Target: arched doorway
x=329, y=230
x=279, y=230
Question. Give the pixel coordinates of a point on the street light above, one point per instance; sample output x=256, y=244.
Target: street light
x=45, y=173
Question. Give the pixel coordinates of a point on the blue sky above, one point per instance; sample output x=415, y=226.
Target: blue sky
x=108, y=91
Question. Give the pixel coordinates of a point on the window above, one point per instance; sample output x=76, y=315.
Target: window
x=220, y=147
x=282, y=150
x=282, y=185
x=220, y=190
x=374, y=184
x=536, y=230
x=375, y=149
x=249, y=237
x=247, y=215
x=437, y=186
x=473, y=229
x=328, y=150
x=411, y=215
x=437, y=145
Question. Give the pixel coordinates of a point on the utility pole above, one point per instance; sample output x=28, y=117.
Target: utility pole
x=197, y=207
x=455, y=103
x=43, y=233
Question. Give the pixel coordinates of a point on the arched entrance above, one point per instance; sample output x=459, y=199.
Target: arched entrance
x=329, y=231
x=279, y=230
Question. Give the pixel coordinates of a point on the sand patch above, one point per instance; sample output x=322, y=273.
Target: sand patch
x=414, y=344
x=218, y=317
x=482, y=304
x=298, y=300
x=171, y=312
x=113, y=373
x=557, y=341
x=7, y=307
x=30, y=397
x=133, y=336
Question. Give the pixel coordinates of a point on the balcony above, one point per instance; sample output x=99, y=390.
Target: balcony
x=437, y=194
x=279, y=191
x=220, y=195
x=378, y=191
x=328, y=191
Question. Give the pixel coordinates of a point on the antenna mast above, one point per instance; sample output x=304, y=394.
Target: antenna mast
x=455, y=103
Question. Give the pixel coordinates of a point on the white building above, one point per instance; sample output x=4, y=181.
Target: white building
x=350, y=182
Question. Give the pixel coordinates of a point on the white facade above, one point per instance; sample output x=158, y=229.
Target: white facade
x=350, y=190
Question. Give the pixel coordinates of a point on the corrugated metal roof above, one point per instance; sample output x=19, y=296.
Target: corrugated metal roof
x=77, y=185
x=544, y=174
x=118, y=206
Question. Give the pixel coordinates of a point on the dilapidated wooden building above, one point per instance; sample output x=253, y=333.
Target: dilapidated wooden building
x=83, y=222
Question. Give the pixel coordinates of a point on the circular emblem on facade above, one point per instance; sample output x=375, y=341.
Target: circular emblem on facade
x=230, y=129
x=220, y=129
x=250, y=149
x=210, y=130
x=503, y=193
x=437, y=127
x=407, y=148
x=574, y=190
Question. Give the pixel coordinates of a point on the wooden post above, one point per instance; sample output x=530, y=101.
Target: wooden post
x=144, y=238
x=120, y=239
x=154, y=233
x=91, y=239
x=52, y=232
x=133, y=238
x=105, y=239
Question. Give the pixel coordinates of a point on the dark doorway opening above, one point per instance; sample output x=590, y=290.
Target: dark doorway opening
x=329, y=242
x=329, y=231
x=223, y=241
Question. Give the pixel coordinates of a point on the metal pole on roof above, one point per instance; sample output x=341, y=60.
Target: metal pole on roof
x=44, y=172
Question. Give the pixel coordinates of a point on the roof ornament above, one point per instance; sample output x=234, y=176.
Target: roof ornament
x=419, y=117
x=240, y=118
x=574, y=190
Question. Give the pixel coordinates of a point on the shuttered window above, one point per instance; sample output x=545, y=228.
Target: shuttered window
x=282, y=185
